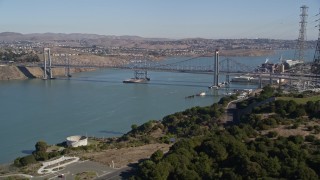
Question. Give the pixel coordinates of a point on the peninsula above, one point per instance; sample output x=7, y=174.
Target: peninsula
x=263, y=142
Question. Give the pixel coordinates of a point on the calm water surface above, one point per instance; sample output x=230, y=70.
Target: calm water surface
x=95, y=104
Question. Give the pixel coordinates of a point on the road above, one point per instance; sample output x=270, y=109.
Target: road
x=123, y=173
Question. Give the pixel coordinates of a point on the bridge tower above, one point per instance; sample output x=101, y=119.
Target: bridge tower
x=299, y=53
x=216, y=68
x=228, y=71
x=47, y=64
x=67, y=67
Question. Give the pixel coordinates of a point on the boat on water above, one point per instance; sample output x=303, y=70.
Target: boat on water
x=223, y=84
x=136, y=80
x=242, y=79
x=201, y=94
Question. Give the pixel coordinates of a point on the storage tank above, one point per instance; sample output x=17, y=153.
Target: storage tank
x=76, y=141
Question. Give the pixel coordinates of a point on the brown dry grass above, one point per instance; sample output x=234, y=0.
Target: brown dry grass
x=284, y=130
x=124, y=156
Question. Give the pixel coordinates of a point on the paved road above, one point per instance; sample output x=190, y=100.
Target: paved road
x=229, y=110
x=71, y=170
x=123, y=173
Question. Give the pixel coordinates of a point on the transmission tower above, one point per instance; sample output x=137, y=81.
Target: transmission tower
x=316, y=59
x=299, y=53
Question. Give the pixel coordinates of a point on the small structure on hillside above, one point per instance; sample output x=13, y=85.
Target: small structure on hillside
x=76, y=141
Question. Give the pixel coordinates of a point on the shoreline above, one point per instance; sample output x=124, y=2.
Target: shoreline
x=13, y=72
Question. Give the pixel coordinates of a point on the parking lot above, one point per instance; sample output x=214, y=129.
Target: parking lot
x=70, y=171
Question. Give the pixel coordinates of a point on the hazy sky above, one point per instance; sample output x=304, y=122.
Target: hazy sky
x=278, y=19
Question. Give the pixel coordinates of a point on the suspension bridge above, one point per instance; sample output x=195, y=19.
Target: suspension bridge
x=212, y=65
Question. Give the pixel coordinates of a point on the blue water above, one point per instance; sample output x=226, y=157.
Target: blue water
x=96, y=104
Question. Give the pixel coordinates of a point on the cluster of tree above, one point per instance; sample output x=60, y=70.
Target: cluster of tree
x=139, y=135
x=266, y=93
x=193, y=122
x=291, y=109
x=230, y=154
x=22, y=57
x=257, y=122
x=10, y=56
x=207, y=151
x=303, y=94
x=40, y=154
x=30, y=58
x=225, y=100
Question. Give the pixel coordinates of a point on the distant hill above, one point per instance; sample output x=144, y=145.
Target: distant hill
x=190, y=44
x=10, y=34
x=13, y=36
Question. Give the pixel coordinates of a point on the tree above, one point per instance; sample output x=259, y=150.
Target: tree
x=314, y=162
x=304, y=172
x=296, y=139
x=230, y=175
x=40, y=155
x=162, y=170
x=253, y=170
x=156, y=156
x=215, y=150
x=17, y=162
x=41, y=146
x=134, y=127
x=27, y=160
x=310, y=107
x=203, y=165
x=146, y=169
x=273, y=166
x=309, y=138
x=300, y=111
x=291, y=106
x=272, y=134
